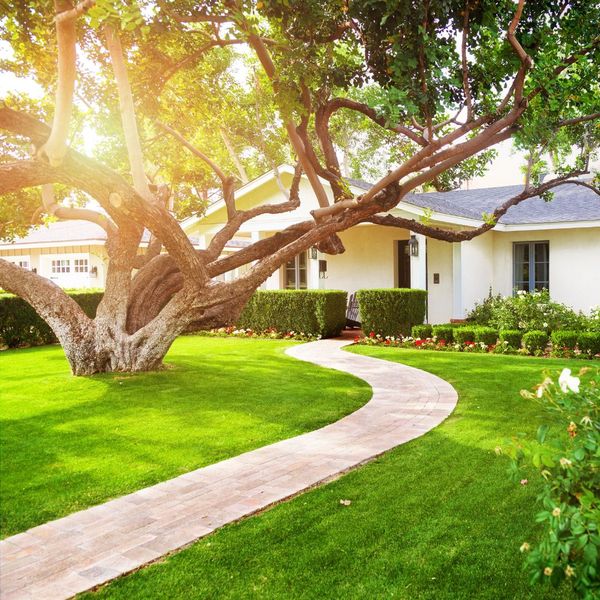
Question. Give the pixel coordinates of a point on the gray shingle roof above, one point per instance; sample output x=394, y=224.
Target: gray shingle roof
x=571, y=203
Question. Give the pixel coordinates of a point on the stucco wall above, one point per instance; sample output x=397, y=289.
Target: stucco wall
x=40, y=259
x=574, y=264
x=439, y=260
x=477, y=271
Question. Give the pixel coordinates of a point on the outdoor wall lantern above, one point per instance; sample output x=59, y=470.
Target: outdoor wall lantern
x=94, y=272
x=413, y=244
x=313, y=253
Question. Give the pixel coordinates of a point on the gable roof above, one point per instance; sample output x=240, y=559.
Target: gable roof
x=571, y=203
x=68, y=233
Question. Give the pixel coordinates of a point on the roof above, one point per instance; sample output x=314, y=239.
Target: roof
x=65, y=232
x=571, y=203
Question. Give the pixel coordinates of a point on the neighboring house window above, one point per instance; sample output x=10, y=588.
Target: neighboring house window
x=531, y=266
x=23, y=263
x=61, y=266
x=81, y=265
x=295, y=273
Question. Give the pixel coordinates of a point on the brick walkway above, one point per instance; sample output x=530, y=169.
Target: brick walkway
x=88, y=548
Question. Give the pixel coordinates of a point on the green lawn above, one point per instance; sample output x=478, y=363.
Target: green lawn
x=67, y=443
x=435, y=518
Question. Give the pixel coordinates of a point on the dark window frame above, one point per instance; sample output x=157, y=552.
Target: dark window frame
x=530, y=282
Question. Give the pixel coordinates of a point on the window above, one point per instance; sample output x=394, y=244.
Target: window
x=61, y=266
x=531, y=266
x=295, y=273
x=81, y=265
x=23, y=264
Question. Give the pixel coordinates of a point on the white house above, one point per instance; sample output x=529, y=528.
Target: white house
x=537, y=244
x=554, y=245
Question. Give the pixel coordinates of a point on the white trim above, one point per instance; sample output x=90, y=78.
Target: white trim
x=57, y=244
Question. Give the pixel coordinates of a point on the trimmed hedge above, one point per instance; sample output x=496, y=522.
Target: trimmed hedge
x=535, y=341
x=421, y=331
x=514, y=337
x=486, y=335
x=20, y=325
x=444, y=332
x=589, y=342
x=464, y=334
x=391, y=311
x=314, y=312
x=564, y=339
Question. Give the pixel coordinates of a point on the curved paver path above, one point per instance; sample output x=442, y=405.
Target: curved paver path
x=85, y=549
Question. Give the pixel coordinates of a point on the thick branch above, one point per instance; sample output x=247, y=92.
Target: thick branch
x=55, y=147
x=130, y=129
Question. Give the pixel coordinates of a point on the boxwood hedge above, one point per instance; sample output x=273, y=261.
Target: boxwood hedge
x=315, y=312
x=20, y=325
x=391, y=311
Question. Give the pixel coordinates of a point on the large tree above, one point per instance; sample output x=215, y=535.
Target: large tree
x=437, y=84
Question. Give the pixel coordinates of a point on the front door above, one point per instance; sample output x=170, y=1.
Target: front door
x=403, y=264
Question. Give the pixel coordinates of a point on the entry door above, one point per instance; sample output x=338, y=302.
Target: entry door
x=403, y=264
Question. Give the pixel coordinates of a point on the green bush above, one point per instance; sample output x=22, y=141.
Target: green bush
x=421, y=331
x=391, y=311
x=512, y=336
x=464, y=334
x=589, y=342
x=444, y=332
x=528, y=311
x=564, y=339
x=314, y=312
x=486, y=335
x=535, y=341
x=566, y=458
x=20, y=325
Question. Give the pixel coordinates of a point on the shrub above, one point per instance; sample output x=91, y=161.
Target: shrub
x=512, y=336
x=486, y=335
x=566, y=456
x=20, y=325
x=421, y=331
x=527, y=311
x=464, y=334
x=391, y=311
x=314, y=312
x=482, y=314
x=589, y=342
x=443, y=332
x=564, y=339
x=535, y=341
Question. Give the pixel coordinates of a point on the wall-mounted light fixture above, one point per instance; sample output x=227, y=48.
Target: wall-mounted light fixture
x=413, y=244
x=313, y=253
x=94, y=272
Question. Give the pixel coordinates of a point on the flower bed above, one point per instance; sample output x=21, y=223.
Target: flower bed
x=468, y=345
x=270, y=334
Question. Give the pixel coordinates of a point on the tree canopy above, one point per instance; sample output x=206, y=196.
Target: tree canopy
x=184, y=98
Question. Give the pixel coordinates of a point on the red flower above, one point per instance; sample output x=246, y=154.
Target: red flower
x=372, y=334
x=387, y=342
x=418, y=343
x=356, y=340
x=442, y=343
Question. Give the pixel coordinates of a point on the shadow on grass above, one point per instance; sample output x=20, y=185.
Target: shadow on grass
x=69, y=442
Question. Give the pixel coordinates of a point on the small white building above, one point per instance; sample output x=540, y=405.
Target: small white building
x=553, y=245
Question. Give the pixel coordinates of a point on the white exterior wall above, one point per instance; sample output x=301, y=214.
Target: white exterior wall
x=369, y=260
x=574, y=264
x=439, y=260
x=477, y=271
x=40, y=259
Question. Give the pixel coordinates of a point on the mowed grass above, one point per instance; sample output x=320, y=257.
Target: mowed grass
x=67, y=443
x=436, y=518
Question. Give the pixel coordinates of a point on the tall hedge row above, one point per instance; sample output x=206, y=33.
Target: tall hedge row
x=21, y=325
x=315, y=312
x=391, y=311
